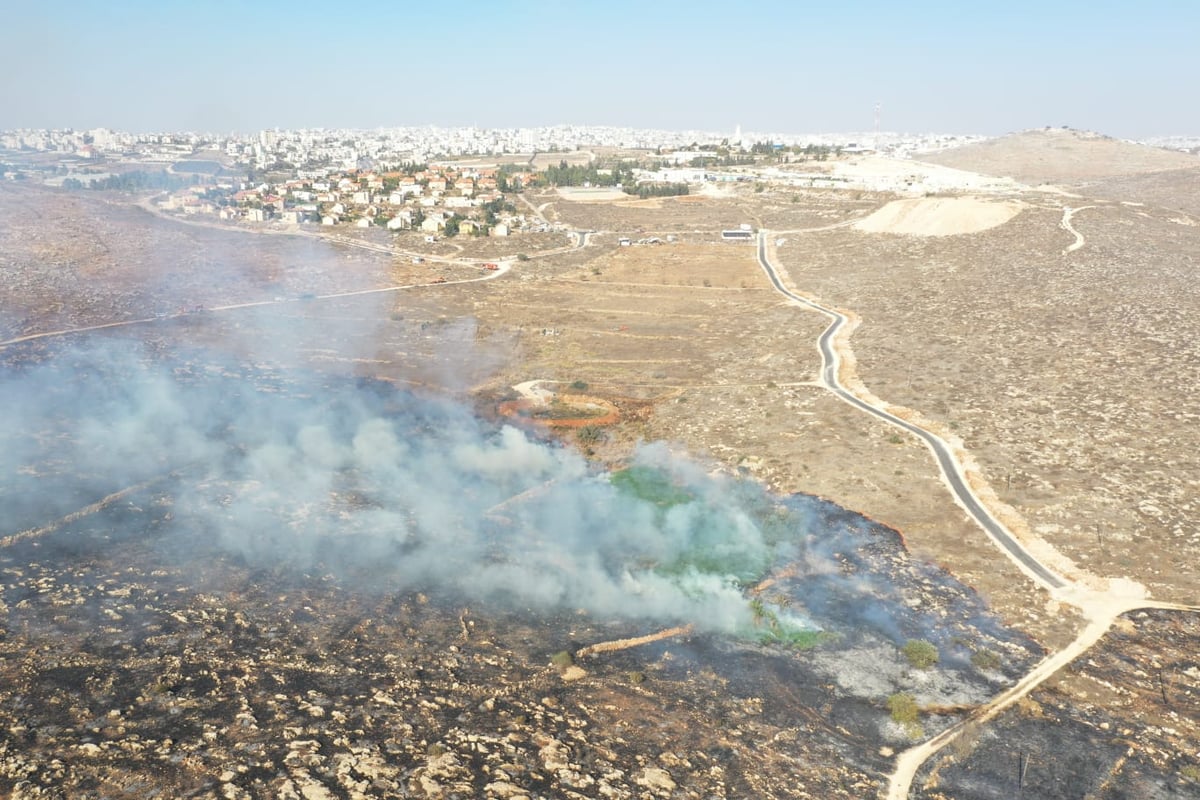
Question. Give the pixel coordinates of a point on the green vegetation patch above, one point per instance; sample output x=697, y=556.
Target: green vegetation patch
x=773, y=630
x=920, y=653
x=904, y=711
x=797, y=638
x=985, y=660
x=652, y=485
x=903, y=707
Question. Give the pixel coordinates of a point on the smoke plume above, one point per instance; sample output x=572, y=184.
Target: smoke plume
x=304, y=472
x=314, y=472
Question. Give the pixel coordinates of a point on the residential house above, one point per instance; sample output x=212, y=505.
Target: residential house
x=402, y=221
x=434, y=223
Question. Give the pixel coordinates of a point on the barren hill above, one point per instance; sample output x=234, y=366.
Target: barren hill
x=1061, y=155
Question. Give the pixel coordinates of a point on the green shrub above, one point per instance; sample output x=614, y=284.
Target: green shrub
x=562, y=659
x=903, y=707
x=920, y=653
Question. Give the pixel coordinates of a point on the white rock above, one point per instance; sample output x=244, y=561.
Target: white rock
x=656, y=780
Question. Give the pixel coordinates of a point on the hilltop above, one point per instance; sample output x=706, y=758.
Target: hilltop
x=1062, y=156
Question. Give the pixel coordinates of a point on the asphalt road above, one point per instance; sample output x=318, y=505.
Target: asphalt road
x=950, y=468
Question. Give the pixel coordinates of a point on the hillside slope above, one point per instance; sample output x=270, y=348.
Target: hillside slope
x=1061, y=156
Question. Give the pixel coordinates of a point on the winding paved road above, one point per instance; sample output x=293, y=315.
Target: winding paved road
x=947, y=463
x=1100, y=607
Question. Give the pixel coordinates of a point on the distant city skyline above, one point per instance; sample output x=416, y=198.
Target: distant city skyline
x=768, y=66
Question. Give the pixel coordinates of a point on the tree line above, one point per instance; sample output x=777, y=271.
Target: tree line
x=579, y=175
x=135, y=181
x=644, y=190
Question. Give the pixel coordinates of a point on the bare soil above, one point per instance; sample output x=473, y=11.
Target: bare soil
x=1060, y=155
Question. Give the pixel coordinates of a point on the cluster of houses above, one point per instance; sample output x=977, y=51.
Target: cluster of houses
x=434, y=200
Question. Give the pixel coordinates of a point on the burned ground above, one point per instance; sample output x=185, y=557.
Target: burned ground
x=137, y=663
x=1121, y=722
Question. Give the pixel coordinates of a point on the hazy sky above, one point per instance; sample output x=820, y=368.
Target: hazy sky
x=1122, y=68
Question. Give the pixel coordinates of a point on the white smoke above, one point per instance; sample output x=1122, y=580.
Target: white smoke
x=416, y=492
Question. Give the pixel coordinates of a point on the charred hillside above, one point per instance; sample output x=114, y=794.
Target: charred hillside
x=228, y=580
